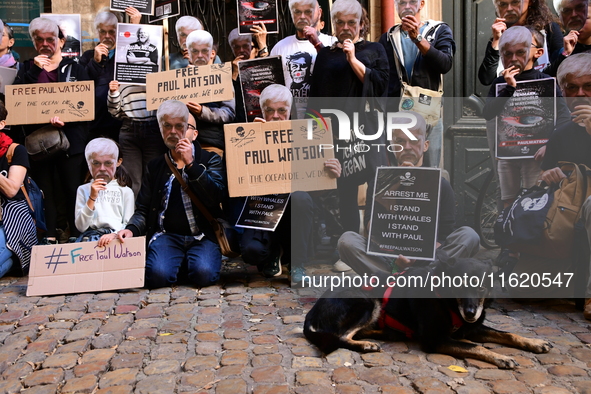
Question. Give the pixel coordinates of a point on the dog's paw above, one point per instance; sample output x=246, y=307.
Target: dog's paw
x=505, y=362
x=371, y=347
x=539, y=346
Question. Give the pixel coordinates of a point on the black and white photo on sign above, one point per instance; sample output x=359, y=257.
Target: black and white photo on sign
x=258, y=11
x=164, y=9
x=527, y=119
x=263, y=212
x=137, y=53
x=405, y=212
x=71, y=28
x=145, y=7
x=256, y=75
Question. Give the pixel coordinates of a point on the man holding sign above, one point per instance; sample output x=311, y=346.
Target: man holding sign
x=462, y=242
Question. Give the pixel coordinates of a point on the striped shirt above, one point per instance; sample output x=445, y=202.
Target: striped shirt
x=130, y=102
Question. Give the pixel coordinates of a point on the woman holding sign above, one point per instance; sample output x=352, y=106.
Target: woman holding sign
x=66, y=167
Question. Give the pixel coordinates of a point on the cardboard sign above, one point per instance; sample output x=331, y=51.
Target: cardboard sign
x=85, y=267
x=527, y=120
x=145, y=7
x=263, y=212
x=256, y=75
x=164, y=9
x=39, y=102
x=405, y=212
x=202, y=84
x=251, y=12
x=71, y=27
x=277, y=157
x=137, y=52
x=7, y=76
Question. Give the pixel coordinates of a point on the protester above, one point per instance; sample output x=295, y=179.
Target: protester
x=6, y=43
x=177, y=232
x=571, y=142
x=458, y=243
x=50, y=66
x=184, y=26
x=18, y=233
x=424, y=53
x=298, y=52
x=210, y=117
x=105, y=204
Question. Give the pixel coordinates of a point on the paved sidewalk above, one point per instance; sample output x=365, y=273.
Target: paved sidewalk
x=245, y=336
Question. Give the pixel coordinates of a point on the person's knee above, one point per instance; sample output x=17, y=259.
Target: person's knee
x=301, y=202
x=470, y=239
x=205, y=275
x=158, y=275
x=348, y=241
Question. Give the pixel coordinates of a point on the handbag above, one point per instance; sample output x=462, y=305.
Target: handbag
x=425, y=102
x=46, y=142
x=222, y=229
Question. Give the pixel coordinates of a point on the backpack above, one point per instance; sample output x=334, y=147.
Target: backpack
x=33, y=195
x=542, y=221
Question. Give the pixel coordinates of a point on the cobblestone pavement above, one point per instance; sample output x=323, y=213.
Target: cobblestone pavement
x=245, y=336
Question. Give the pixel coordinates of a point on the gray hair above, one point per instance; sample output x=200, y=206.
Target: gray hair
x=292, y=3
x=574, y=65
x=188, y=22
x=105, y=18
x=200, y=37
x=420, y=128
x=346, y=7
x=1, y=26
x=516, y=35
x=101, y=147
x=174, y=109
x=43, y=25
x=276, y=93
x=235, y=36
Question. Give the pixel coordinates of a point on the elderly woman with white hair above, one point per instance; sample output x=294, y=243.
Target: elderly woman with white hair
x=49, y=66
x=210, y=117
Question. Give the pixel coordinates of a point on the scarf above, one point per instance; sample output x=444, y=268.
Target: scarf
x=7, y=60
x=5, y=142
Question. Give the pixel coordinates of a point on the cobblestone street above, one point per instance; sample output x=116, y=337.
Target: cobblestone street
x=245, y=336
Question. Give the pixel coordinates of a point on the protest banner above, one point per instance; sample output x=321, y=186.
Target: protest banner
x=71, y=27
x=85, y=267
x=405, y=212
x=256, y=75
x=145, y=7
x=263, y=212
x=277, y=157
x=7, y=76
x=137, y=52
x=39, y=102
x=164, y=9
x=201, y=84
x=527, y=120
x=251, y=12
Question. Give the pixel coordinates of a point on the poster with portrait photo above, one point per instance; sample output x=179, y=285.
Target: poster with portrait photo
x=572, y=13
x=256, y=75
x=70, y=26
x=258, y=11
x=405, y=212
x=137, y=53
x=145, y=7
x=527, y=120
x=164, y=9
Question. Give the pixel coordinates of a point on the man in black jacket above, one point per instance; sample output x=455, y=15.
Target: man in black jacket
x=423, y=53
x=177, y=231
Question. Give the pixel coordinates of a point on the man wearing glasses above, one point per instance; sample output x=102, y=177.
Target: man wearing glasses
x=423, y=51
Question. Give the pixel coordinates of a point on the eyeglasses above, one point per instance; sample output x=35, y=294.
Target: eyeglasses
x=107, y=164
x=105, y=32
x=572, y=88
x=177, y=127
x=350, y=23
x=49, y=40
x=281, y=111
x=190, y=126
x=515, y=3
x=405, y=3
x=519, y=53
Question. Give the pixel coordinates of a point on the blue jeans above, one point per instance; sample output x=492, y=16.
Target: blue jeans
x=168, y=252
x=5, y=254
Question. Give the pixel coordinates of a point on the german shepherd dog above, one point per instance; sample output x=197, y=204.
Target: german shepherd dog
x=440, y=324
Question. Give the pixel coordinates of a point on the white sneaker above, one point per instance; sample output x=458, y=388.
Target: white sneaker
x=340, y=266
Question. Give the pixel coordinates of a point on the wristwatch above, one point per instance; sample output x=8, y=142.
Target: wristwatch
x=418, y=39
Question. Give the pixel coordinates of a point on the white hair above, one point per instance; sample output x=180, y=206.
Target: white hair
x=188, y=22
x=43, y=25
x=516, y=35
x=292, y=3
x=200, y=37
x=235, y=36
x=276, y=93
x=346, y=7
x=174, y=109
x=575, y=65
x=101, y=147
x=105, y=18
